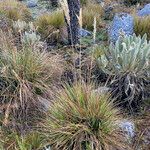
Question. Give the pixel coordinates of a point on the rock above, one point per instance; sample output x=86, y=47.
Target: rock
x=128, y=128
x=84, y=33
x=122, y=22
x=31, y=3
x=144, y=11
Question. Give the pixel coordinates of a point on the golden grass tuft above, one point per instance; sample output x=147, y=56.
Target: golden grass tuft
x=48, y=23
x=142, y=26
x=89, y=12
x=15, y=10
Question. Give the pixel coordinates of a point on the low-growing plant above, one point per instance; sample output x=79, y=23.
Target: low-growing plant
x=128, y=63
x=81, y=119
x=142, y=26
x=26, y=77
x=15, y=10
x=89, y=12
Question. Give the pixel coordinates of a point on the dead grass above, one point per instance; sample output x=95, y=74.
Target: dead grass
x=142, y=139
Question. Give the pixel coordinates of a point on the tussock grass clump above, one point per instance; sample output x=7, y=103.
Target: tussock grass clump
x=80, y=119
x=89, y=12
x=142, y=26
x=15, y=10
x=26, y=77
x=48, y=23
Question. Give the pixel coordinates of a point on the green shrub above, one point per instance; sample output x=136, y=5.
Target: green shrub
x=142, y=26
x=15, y=10
x=26, y=77
x=128, y=62
x=80, y=119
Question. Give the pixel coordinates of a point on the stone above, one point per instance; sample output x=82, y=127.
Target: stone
x=31, y=3
x=84, y=33
x=128, y=128
x=122, y=22
x=144, y=11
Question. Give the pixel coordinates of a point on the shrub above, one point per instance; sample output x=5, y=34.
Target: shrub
x=48, y=23
x=142, y=26
x=89, y=12
x=128, y=62
x=26, y=77
x=80, y=118
x=15, y=10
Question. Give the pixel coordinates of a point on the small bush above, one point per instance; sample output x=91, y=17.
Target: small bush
x=80, y=119
x=89, y=12
x=15, y=10
x=142, y=26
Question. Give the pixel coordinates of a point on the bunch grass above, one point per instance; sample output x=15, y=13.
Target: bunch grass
x=80, y=119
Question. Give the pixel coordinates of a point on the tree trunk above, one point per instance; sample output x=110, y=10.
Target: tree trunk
x=73, y=25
